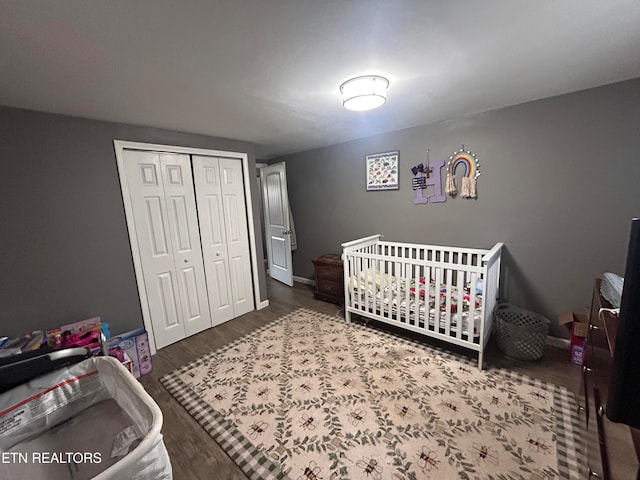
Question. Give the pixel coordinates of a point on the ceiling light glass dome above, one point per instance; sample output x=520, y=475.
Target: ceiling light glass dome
x=364, y=93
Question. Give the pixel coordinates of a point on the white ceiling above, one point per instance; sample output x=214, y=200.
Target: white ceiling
x=268, y=71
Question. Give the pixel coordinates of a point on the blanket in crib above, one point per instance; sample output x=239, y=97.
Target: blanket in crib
x=387, y=293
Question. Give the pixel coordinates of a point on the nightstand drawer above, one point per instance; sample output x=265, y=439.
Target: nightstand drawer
x=329, y=272
x=329, y=287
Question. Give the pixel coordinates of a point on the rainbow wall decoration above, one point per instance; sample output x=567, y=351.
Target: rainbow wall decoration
x=471, y=173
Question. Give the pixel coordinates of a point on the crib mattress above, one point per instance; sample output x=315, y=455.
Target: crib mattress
x=453, y=328
x=384, y=291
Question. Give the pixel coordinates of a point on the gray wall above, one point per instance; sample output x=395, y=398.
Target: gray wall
x=64, y=247
x=559, y=187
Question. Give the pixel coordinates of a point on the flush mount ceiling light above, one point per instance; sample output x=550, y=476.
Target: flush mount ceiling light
x=364, y=93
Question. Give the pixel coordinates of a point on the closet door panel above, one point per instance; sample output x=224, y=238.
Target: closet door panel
x=168, y=302
x=192, y=298
x=157, y=239
x=185, y=236
x=237, y=234
x=213, y=234
x=213, y=222
x=150, y=214
x=182, y=234
x=242, y=296
x=222, y=292
x=231, y=217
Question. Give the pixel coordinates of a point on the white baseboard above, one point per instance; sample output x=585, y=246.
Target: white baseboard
x=558, y=342
x=263, y=304
x=306, y=281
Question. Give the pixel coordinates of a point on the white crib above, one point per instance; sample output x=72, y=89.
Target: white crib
x=448, y=293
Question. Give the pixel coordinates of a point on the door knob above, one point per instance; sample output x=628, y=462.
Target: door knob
x=217, y=254
x=186, y=260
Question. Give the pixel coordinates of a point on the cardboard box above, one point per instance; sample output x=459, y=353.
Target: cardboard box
x=73, y=334
x=578, y=323
x=132, y=349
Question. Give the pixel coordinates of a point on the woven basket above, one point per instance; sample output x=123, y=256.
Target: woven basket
x=521, y=334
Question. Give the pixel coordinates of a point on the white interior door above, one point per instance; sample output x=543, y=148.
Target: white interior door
x=206, y=175
x=163, y=205
x=183, y=223
x=276, y=220
x=150, y=215
x=237, y=234
x=225, y=238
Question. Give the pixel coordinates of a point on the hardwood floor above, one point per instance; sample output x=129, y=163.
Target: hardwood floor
x=194, y=455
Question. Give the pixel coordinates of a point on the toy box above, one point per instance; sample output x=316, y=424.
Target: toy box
x=132, y=349
x=85, y=333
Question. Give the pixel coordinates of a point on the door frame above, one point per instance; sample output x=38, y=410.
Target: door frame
x=120, y=146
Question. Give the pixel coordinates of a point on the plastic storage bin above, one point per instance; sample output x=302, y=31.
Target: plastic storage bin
x=520, y=333
x=90, y=420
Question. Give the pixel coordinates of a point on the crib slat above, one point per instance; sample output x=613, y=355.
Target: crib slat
x=407, y=282
x=398, y=276
x=380, y=288
x=422, y=320
x=426, y=274
x=353, y=261
x=378, y=281
x=471, y=318
x=407, y=285
x=436, y=299
x=385, y=288
x=416, y=301
x=377, y=286
x=367, y=273
x=460, y=300
x=442, y=317
x=413, y=280
x=353, y=270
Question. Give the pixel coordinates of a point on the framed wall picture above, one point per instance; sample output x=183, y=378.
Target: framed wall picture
x=382, y=171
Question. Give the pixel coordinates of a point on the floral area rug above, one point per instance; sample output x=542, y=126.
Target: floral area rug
x=311, y=397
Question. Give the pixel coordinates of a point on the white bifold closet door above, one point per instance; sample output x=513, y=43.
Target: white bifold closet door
x=166, y=224
x=225, y=239
x=192, y=238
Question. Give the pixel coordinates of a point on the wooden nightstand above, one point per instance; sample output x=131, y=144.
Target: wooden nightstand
x=329, y=278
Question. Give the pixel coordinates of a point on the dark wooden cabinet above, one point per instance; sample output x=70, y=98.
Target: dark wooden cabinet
x=612, y=448
x=329, y=278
